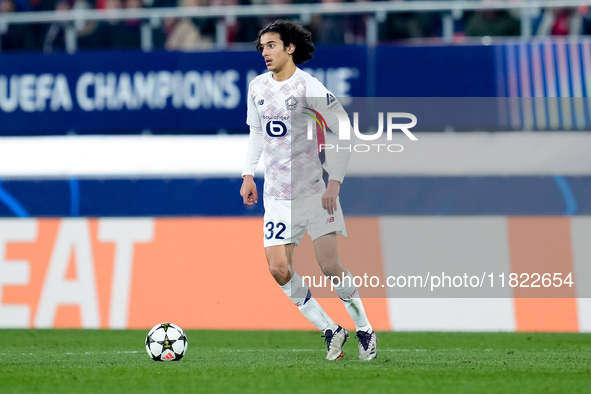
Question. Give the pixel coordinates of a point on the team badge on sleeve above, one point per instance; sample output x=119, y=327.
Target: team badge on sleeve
x=330, y=99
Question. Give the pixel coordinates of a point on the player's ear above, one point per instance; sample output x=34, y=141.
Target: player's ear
x=290, y=49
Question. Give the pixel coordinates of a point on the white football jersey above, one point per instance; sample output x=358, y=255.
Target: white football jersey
x=278, y=116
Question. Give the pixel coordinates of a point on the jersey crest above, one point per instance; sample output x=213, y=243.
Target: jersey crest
x=291, y=104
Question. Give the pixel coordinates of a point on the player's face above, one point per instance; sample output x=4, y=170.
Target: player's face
x=276, y=55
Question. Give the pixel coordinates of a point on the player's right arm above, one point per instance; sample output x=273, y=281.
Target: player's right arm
x=248, y=191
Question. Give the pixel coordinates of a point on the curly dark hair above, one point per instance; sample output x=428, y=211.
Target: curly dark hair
x=290, y=32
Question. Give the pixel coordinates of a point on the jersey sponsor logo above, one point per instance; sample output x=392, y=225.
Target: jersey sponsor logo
x=291, y=103
x=275, y=117
x=276, y=128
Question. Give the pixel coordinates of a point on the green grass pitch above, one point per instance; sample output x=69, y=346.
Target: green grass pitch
x=89, y=361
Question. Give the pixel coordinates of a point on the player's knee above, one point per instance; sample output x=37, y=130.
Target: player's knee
x=331, y=265
x=327, y=258
x=280, y=271
x=332, y=269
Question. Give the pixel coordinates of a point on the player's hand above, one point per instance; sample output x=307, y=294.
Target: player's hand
x=248, y=191
x=329, y=198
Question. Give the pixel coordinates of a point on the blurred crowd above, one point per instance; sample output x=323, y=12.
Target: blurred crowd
x=200, y=33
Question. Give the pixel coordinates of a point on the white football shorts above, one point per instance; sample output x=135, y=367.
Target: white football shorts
x=286, y=221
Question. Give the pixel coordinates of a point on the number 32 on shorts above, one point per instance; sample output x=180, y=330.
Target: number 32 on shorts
x=274, y=230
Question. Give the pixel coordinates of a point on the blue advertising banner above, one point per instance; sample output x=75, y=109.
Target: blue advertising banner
x=399, y=195
x=131, y=91
x=128, y=92
x=435, y=71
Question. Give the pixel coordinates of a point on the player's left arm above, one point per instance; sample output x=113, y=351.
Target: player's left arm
x=336, y=174
x=323, y=101
x=329, y=198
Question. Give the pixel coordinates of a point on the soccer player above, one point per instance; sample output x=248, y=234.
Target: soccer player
x=296, y=198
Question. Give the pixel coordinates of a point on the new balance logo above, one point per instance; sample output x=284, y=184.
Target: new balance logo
x=261, y=101
x=330, y=219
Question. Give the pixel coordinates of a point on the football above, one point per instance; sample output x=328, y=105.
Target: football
x=166, y=342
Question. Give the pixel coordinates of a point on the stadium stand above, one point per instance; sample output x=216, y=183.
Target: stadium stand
x=225, y=22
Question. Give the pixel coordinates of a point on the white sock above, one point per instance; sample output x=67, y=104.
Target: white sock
x=349, y=294
x=317, y=316
x=300, y=294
